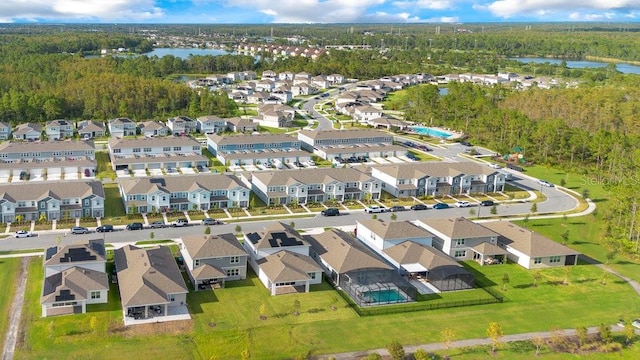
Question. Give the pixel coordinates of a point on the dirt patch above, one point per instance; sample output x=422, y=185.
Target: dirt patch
x=179, y=327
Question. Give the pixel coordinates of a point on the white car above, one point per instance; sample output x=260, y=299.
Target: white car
x=373, y=209
x=462, y=204
x=495, y=166
x=545, y=183
x=23, y=234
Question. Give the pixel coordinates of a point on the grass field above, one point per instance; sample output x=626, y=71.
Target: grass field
x=9, y=269
x=226, y=322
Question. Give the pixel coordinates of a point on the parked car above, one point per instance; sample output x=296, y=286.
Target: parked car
x=495, y=166
x=461, y=204
x=135, y=226
x=439, y=206
x=23, y=234
x=210, y=221
x=373, y=209
x=104, y=228
x=396, y=208
x=545, y=183
x=180, y=223
x=330, y=212
x=311, y=163
x=487, y=203
x=157, y=224
x=76, y=230
x=419, y=207
x=465, y=143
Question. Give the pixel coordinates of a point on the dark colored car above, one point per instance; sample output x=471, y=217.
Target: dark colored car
x=487, y=203
x=419, y=207
x=135, y=226
x=397, y=208
x=210, y=221
x=330, y=212
x=439, y=206
x=465, y=143
x=104, y=228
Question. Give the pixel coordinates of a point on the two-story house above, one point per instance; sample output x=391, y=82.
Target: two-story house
x=314, y=185
x=210, y=124
x=343, y=144
x=182, y=125
x=279, y=255
x=212, y=260
x=121, y=127
x=183, y=193
x=258, y=149
x=75, y=276
x=51, y=200
x=379, y=234
x=5, y=131
x=463, y=239
x=59, y=129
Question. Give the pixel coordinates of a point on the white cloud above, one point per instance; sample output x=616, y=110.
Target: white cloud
x=584, y=9
x=426, y=4
x=70, y=10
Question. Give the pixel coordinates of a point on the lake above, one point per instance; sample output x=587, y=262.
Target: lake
x=577, y=64
x=184, y=53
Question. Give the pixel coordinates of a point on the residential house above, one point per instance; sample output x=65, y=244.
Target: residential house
x=51, y=200
x=258, y=97
x=75, y=276
x=269, y=74
x=279, y=255
x=256, y=149
x=28, y=131
x=287, y=75
x=463, y=239
x=387, y=123
x=5, y=131
x=211, y=260
x=364, y=113
x=277, y=115
x=89, y=129
x=530, y=249
x=241, y=125
x=150, y=282
x=282, y=95
x=38, y=160
x=153, y=128
x=183, y=193
x=59, y=129
x=303, y=89
x=320, y=82
x=156, y=153
x=266, y=85
x=122, y=127
x=438, y=179
x=379, y=234
x=335, y=79
x=210, y=124
x=343, y=144
x=313, y=185
x=182, y=125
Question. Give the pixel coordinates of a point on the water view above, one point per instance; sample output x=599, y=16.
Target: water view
x=433, y=132
x=576, y=64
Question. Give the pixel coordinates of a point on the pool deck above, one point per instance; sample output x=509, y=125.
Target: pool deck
x=453, y=135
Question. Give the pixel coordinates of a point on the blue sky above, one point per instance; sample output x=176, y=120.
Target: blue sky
x=315, y=11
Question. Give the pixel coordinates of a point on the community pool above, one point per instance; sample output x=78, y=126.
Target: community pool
x=384, y=296
x=433, y=132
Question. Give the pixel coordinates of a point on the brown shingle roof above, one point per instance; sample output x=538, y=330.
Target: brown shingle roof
x=77, y=281
x=344, y=253
x=285, y=266
x=458, y=228
x=409, y=252
x=275, y=235
x=395, y=229
x=213, y=246
x=527, y=241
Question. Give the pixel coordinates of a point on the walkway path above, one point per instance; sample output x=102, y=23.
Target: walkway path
x=460, y=344
x=16, y=310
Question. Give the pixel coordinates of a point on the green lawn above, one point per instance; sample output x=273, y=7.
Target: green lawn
x=113, y=206
x=9, y=269
x=226, y=322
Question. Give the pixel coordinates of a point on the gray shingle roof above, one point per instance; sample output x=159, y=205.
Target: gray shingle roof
x=213, y=246
x=286, y=266
x=59, y=190
x=395, y=229
x=276, y=235
x=77, y=281
x=527, y=241
x=147, y=276
x=459, y=228
x=409, y=252
x=171, y=184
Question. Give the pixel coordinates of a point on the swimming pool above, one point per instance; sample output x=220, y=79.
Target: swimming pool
x=423, y=130
x=382, y=296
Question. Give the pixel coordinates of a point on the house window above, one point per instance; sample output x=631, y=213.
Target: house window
x=95, y=294
x=537, y=260
x=136, y=150
x=232, y=272
x=234, y=259
x=172, y=297
x=460, y=253
x=196, y=262
x=554, y=259
x=117, y=151
x=460, y=242
x=312, y=275
x=147, y=150
x=166, y=148
x=177, y=148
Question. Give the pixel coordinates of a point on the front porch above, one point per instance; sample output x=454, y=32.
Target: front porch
x=489, y=254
